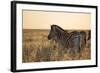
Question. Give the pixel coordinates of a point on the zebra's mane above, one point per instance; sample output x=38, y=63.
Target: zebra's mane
x=61, y=30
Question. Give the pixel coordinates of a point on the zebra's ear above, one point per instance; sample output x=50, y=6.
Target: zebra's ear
x=52, y=27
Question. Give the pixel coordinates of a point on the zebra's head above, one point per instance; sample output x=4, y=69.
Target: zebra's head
x=55, y=32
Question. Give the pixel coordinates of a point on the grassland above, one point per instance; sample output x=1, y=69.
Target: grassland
x=37, y=48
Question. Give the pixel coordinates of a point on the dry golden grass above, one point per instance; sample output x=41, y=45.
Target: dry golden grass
x=37, y=48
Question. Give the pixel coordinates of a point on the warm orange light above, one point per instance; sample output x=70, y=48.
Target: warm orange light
x=66, y=20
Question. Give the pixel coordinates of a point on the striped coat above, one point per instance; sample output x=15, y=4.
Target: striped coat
x=74, y=41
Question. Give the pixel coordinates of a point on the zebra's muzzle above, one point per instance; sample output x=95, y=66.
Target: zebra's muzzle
x=49, y=38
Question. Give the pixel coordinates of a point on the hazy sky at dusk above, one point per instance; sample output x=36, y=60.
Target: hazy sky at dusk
x=66, y=20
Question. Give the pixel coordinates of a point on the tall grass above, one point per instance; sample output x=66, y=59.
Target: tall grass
x=37, y=48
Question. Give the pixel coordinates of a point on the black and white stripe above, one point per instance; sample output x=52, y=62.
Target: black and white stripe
x=73, y=40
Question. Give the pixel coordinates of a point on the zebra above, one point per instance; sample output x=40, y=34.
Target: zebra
x=73, y=40
x=88, y=39
x=56, y=33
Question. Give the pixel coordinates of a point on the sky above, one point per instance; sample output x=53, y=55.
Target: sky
x=66, y=20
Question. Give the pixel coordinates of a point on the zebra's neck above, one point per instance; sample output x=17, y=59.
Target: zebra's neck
x=63, y=40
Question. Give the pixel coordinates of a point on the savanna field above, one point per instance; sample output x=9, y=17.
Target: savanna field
x=37, y=48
